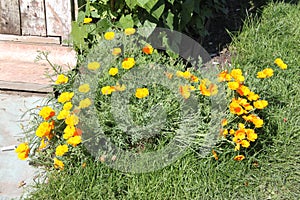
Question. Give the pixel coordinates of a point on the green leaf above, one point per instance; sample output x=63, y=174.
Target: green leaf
x=81, y=16
x=78, y=34
x=171, y=1
x=150, y=5
x=131, y=3
x=186, y=13
x=146, y=29
x=142, y=3
x=158, y=12
x=170, y=20
x=126, y=21
x=103, y=25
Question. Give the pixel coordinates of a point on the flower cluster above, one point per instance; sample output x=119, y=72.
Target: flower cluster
x=243, y=105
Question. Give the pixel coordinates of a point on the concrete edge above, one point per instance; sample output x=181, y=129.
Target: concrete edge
x=25, y=87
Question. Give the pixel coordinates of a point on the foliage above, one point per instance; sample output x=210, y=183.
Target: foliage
x=187, y=16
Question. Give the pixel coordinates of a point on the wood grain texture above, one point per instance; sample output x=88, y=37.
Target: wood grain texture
x=33, y=20
x=58, y=18
x=9, y=17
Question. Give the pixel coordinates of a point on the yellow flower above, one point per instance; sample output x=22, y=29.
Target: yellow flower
x=69, y=131
x=43, y=144
x=63, y=114
x=235, y=108
x=224, y=122
x=185, y=91
x=280, y=63
x=85, y=103
x=179, y=74
x=237, y=75
x=266, y=73
x=46, y=112
x=251, y=135
x=107, y=90
x=225, y=132
x=148, y=49
x=233, y=85
x=72, y=120
x=113, y=71
x=65, y=96
x=231, y=131
x=252, y=96
x=74, y=141
x=119, y=87
x=240, y=134
x=187, y=75
x=61, y=79
x=93, y=65
x=261, y=75
x=109, y=35
x=87, y=20
x=84, y=88
x=23, y=151
x=128, y=63
x=260, y=104
x=194, y=79
x=141, y=93
x=67, y=106
x=129, y=31
x=258, y=123
x=239, y=157
x=44, y=129
x=116, y=51
x=207, y=88
x=224, y=76
x=243, y=90
x=58, y=164
x=61, y=150
x=245, y=143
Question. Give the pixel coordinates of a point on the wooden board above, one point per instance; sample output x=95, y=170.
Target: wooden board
x=9, y=17
x=58, y=18
x=33, y=20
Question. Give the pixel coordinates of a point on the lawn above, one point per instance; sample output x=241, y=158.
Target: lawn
x=272, y=171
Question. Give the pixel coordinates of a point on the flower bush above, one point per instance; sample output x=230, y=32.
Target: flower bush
x=114, y=74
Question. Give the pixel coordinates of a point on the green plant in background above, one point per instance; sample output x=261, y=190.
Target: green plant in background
x=187, y=16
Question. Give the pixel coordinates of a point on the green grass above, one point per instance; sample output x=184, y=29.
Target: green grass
x=277, y=176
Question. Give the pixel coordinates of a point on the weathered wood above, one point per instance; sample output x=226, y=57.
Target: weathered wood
x=33, y=17
x=58, y=18
x=9, y=17
x=29, y=39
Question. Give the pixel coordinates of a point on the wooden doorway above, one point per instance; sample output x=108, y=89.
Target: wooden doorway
x=44, y=18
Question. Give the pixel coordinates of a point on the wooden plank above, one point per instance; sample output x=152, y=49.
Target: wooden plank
x=33, y=17
x=30, y=39
x=58, y=18
x=9, y=17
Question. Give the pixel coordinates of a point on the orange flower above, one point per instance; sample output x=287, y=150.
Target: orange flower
x=224, y=76
x=207, y=88
x=185, y=91
x=224, y=122
x=148, y=49
x=215, y=154
x=239, y=157
x=46, y=112
x=243, y=90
